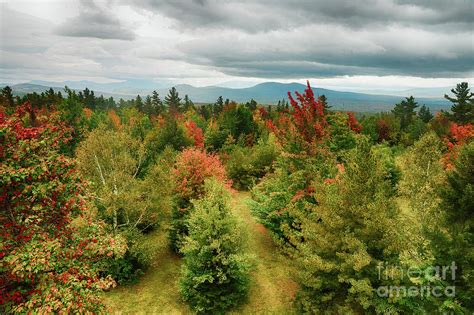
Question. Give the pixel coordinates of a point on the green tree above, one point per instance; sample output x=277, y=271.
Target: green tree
x=215, y=276
x=405, y=110
x=424, y=114
x=173, y=101
x=238, y=121
x=157, y=104
x=458, y=202
x=87, y=97
x=187, y=103
x=324, y=100
x=344, y=241
x=7, y=96
x=130, y=201
x=422, y=176
x=170, y=134
x=463, y=104
x=148, y=105
x=218, y=106
x=252, y=104
x=138, y=103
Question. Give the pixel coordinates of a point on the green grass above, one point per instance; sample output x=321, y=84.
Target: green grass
x=272, y=289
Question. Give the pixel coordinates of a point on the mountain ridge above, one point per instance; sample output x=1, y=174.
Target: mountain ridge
x=265, y=93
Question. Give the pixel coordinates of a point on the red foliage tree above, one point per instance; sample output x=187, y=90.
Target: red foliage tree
x=195, y=133
x=192, y=168
x=457, y=137
x=308, y=115
x=383, y=130
x=353, y=123
x=304, y=126
x=47, y=263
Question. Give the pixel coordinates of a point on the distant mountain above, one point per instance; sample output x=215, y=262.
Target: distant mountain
x=264, y=93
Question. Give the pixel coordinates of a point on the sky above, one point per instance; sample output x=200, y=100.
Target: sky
x=347, y=45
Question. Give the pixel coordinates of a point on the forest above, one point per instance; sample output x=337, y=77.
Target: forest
x=160, y=205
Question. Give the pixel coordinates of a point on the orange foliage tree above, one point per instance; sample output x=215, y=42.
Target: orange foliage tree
x=193, y=166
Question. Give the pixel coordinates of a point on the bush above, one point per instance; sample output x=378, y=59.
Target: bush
x=215, y=275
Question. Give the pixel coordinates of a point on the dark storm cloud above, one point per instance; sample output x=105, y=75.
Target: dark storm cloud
x=311, y=38
x=94, y=21
x=265, y=15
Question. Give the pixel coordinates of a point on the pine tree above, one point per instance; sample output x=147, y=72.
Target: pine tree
x=157, y=104
x=87, y=97
x=7, y=96
x=172, y=100
x=353, y=227
x=138, y=103
x=458, y=202
x=424, y=114
x=463, y=104
x=252, y=105
x=218, y=106
x=188, y=104
x=148, y=106
x=405, y=110
x=215, y=276
x=324, y=101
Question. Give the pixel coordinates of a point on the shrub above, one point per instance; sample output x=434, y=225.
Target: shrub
x=215, y=276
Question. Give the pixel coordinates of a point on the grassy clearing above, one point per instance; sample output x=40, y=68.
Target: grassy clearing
x=157, y=292
x=272, y=290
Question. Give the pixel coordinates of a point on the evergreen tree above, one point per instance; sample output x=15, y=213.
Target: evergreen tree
x=218, y=106
x=87, y=97
x=215, y=276
x=205, y=111
x=157, y=104
x=324, y=101
x=345, y=239
x=252, y=105
x=424, y=114
x=238, y=121
x=405, y=110
x=458, y=202
x=138, y=103
x=172, y=100
x=463, y=104
x=148, y=106
x=7, y=96
x=188, y=104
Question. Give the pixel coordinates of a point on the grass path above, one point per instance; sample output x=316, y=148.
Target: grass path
x=157, y=292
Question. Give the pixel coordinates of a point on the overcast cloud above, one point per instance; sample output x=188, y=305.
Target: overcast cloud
x=392, y=42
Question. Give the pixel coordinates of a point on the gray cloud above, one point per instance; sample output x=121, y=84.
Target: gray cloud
x=216, y=40
x=318, y=38
x=266, y=15
x=323, y=51
x=95, y=21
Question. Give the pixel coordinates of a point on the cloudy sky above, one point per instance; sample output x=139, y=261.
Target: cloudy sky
x=368, y=44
